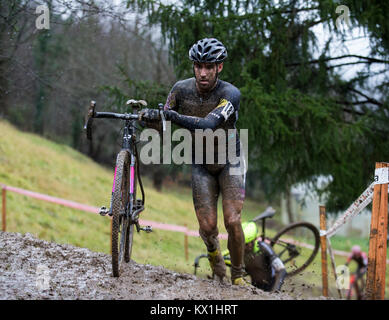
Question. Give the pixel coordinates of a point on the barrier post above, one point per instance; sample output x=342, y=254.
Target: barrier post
x=4, y=209
x=186, y=244
x=333, y=266
x=323, y=245
x=375, y=282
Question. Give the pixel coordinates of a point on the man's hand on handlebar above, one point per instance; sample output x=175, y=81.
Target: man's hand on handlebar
x=150, y=115
x=147, y=114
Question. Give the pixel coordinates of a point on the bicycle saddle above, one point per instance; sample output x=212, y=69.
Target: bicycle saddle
x=268, y=213
x=136, y=103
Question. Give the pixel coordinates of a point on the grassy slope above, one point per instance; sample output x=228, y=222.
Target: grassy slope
x=30, y=162
x=34, y=163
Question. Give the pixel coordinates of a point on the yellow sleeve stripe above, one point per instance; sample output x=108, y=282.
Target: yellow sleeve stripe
x=222, y=103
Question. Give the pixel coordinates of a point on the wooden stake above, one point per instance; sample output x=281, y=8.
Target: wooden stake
x=323, y=244
x=333, y=266
x=375, y=282
x=186, y=245
x=4, y=210
x=382, y=243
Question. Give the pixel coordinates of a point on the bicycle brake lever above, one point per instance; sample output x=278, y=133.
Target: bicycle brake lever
x=90, y=115
x=160, y=105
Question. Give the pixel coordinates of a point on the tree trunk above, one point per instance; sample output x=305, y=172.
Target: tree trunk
x=289, y=207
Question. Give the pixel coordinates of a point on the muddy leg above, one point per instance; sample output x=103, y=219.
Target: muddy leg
x=205, y=195
x=232, y=220
x=233, y=192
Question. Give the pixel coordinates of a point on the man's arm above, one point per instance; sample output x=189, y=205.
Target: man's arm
x=151, y=118
x=219, y=115
x=349, y=258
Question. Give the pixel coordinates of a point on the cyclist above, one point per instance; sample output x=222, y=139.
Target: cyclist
x=206, y=102
x=360, y=258
x=265, y=268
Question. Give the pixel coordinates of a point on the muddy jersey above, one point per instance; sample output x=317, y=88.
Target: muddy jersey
x=361, y=260
x=217, y=109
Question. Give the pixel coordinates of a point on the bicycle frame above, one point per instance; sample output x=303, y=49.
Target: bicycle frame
x=357, y=282
x=129, y=140
x=129, y=144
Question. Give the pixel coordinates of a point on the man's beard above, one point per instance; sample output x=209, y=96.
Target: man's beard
x=209, y=86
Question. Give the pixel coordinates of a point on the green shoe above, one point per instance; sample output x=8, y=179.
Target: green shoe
x=241, y=282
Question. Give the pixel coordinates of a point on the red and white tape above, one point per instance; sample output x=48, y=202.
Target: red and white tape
x=87, y=208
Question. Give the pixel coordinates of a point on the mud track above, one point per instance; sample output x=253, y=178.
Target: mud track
x=31, y=268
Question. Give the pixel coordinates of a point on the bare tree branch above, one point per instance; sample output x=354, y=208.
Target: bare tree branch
x=368, y=60
x=370, y=100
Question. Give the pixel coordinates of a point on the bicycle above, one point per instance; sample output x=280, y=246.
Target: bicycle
x=357, y=286
x=125, y=208
x=289, y=244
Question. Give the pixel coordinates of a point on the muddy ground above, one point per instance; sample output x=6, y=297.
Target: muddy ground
x=31, y=269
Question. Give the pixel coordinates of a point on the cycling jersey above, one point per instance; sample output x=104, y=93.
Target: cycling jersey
x=361, y=259
x=215, y=110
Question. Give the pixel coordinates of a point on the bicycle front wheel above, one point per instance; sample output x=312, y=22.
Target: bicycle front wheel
x=130, y=230
x=120, y=201
x=296, y=245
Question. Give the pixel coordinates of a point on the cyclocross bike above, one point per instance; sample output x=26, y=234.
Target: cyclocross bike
x=125, y=207
x=296, y=244
x=357, y=286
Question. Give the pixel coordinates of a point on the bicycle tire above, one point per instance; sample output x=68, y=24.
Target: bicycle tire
x=294, y=248
x=130, y=230
x=120, y=222
x=356, y=290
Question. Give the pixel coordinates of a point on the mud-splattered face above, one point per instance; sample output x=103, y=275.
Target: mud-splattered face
x=206, y=75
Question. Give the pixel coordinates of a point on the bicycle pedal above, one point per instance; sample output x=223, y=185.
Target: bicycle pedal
x=104, y=211
x=147, y=229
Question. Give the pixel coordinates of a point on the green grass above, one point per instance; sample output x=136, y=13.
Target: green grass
x=31, y=162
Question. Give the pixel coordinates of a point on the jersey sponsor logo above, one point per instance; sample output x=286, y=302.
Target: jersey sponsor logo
x=170, y=102
x=227, y=110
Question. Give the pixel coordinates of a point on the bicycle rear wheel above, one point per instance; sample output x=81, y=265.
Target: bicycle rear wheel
x=120, y=202
x=296, y=245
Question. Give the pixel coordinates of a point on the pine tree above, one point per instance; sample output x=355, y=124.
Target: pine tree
x=304, y=120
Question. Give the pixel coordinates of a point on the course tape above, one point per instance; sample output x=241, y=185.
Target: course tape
x=356, y=207
x=87, y=208
x=156, y=225
x=44, y=197
x=381, y=176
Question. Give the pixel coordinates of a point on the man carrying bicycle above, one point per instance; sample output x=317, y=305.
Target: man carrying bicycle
x=206, y=102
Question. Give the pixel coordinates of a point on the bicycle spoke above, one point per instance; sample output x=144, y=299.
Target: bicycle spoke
x=296, y=245
x=123, y=234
